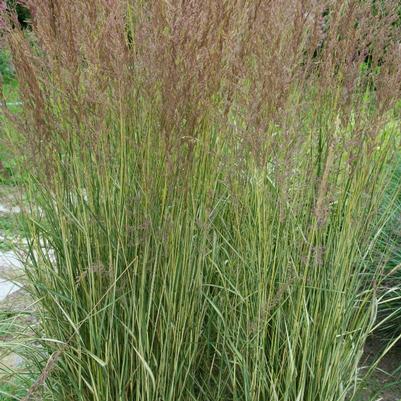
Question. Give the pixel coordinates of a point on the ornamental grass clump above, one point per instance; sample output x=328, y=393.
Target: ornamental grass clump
x=205, y=187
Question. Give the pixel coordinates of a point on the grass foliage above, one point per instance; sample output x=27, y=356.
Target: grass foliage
x=203, y=206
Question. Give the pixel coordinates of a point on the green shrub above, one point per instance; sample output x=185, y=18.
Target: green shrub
x=6, y=70
x=389, y=255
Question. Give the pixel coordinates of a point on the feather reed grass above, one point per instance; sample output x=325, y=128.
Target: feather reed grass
x=205, y=190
